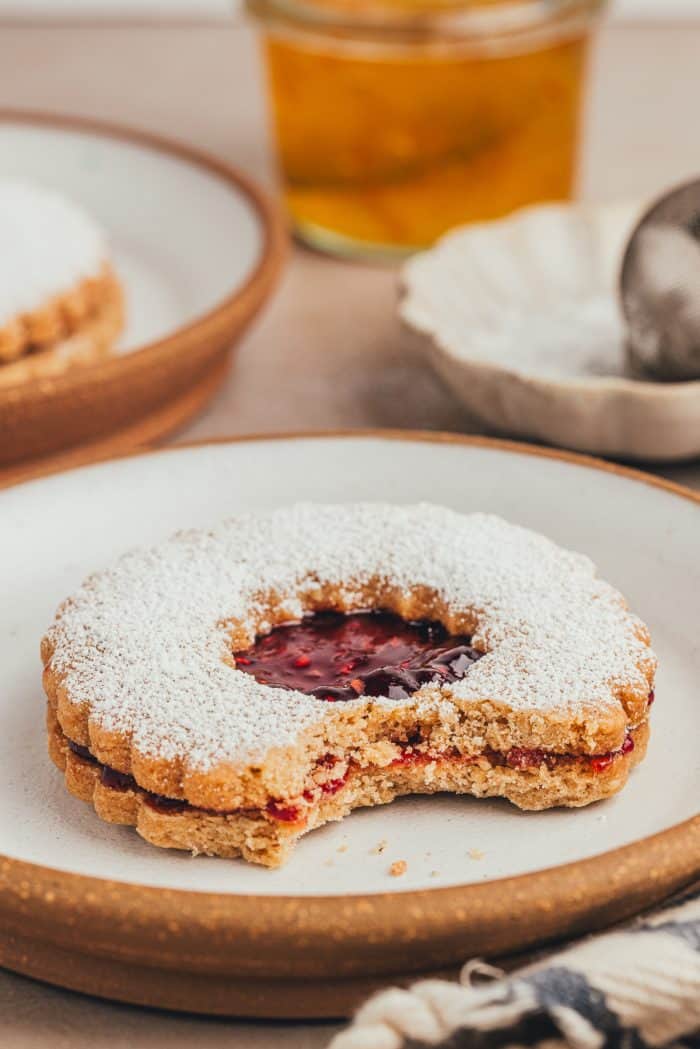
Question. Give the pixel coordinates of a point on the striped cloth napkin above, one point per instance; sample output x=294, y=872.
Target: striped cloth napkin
x=636, y=987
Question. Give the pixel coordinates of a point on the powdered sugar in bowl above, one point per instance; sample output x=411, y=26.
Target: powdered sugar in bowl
x=520, y=317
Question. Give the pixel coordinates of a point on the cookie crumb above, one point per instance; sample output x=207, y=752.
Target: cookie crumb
x=398, y=868
x=342, y=848
x=379, y=849
x=476, y=854
x=435, y=874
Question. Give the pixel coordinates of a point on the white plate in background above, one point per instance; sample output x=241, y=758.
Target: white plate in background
x=182, y=239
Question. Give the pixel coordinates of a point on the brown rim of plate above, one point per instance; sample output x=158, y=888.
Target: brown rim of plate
x=129, y=386
x=302, y=948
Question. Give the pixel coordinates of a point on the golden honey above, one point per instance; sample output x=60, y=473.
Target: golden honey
x=395, y=123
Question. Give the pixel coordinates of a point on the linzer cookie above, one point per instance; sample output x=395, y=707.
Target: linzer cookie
x=60, y=300
x=228, y=691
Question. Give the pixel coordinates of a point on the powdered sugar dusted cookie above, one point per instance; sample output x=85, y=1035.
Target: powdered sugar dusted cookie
x=228, y=691
x=60, y=300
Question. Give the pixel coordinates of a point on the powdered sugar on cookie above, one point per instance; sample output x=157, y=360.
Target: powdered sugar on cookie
x=49, y=245
x=146, y=645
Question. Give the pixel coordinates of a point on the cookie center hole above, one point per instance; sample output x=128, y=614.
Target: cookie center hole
x=338, y=657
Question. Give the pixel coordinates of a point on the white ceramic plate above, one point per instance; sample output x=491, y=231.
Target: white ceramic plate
x=56, y=530
x=182, y=239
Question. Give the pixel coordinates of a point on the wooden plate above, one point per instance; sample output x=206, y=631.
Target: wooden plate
x=198, y=248
x=93, y=907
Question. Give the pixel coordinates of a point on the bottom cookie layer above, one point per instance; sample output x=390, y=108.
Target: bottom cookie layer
x=267, y=836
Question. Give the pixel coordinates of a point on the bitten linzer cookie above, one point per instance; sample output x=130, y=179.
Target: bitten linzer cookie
x=228, y=691
x=60, y=300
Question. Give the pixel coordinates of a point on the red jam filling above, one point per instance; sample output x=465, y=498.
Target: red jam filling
x=289, y=812
x=338, y=657
x=335, y=657
x=109, y=777
x=601, y=762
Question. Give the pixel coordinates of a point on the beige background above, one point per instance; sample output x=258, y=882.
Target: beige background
x=230, y=8
x=327, y=352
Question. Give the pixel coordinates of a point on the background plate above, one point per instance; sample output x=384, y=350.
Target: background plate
x=181, y=238
x=643, y=536
x=196, y=247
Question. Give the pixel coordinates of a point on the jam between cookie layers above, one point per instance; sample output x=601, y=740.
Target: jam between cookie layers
x=338, y=657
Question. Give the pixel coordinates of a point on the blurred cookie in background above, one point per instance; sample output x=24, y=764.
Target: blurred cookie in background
x=61, y=302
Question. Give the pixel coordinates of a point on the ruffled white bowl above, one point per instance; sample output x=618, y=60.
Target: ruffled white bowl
x=489, y=298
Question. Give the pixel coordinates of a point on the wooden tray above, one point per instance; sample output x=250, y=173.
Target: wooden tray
x=91, y=907
x=189, y=327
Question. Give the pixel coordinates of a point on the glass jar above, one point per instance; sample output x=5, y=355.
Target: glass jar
x=398, y=119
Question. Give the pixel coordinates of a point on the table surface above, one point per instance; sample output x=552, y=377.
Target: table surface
x=330, y=329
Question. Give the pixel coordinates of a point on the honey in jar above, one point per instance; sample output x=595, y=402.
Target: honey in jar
x=398, y=119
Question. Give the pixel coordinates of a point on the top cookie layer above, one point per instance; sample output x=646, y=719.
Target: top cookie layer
x=49, y=246
x=145, y=647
